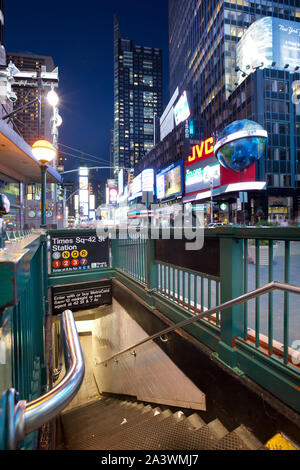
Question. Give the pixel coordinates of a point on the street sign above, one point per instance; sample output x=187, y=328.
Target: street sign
x=81, y=296
x=77, y=252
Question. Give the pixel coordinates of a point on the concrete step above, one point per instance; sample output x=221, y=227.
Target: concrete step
x=122, y=434
x=113, y=424
x=85, y=425
x=85, y=429
x=239, y=439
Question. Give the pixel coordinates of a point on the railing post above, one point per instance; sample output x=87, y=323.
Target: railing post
x=115, y=252
x=151, y=269
x=231, y=275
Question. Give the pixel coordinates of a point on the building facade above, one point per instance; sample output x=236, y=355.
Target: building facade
x=33, y=122
x=175, y=147
x=137, y=99
x=2, y=50
x=266, y=97
x=228, y=83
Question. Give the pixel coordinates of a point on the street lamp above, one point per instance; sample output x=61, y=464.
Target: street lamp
x=44, y=152
x=53, y=98
x=56, y=120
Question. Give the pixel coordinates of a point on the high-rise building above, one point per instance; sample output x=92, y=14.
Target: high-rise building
x=203, y=38
x=137, y=99
x=2, y=49
x=239, y=59
x=6, y=106
x=33, y=122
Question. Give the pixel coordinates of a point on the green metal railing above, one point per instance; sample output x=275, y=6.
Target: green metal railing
x=130, y=256
x=23, y=306
x=193, y=290
x=254, y=338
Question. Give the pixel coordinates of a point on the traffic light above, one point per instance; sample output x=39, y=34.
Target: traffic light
x=130, y=178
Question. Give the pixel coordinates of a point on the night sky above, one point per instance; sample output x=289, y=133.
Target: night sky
x=79, y=37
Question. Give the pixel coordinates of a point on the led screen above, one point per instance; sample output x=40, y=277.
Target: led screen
x=148, y=180
x=181, y=109
x=169, y=182
x=199, y=176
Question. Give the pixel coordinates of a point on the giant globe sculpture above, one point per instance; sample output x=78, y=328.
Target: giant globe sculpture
x=241, y=144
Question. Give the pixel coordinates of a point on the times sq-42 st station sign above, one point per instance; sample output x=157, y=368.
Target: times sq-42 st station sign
x=78, y=252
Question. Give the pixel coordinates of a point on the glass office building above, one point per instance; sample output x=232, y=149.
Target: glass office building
x=208, y=59
x=2, y=52
x=137, y=99
x=33, y=122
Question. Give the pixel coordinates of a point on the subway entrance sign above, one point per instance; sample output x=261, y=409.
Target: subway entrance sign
x=81, y=296
x=78, y=251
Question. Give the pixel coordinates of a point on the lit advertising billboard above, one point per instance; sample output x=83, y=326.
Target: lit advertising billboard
x=136, y=187
x=144, y=182
x=113, y=195
x=199, y=176
x=269, y=40
x=181, y=109
x=84, y=191
x=169, y=182
x=148, y=181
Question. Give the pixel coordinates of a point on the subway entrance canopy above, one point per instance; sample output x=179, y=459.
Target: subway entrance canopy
x=17, y=160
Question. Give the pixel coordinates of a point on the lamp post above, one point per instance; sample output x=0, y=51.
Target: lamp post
x=44, y=152
x=56, y=119
x=211, y=200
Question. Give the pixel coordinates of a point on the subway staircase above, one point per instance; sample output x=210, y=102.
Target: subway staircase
x=123, y=424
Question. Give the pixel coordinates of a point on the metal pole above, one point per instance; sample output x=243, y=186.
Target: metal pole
x=43, y=196
x=40, y=102
x=211, y=202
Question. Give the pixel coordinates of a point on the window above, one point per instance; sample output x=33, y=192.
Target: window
x=148, y=80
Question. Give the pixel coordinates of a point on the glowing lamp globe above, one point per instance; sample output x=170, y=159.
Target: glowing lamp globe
x=241, y=144
x=53, y=98
x=43, y=151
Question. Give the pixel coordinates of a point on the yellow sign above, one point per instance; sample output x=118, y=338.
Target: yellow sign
x=75, y=254
x=66, y=255
x=83, y=253
x=279, y=442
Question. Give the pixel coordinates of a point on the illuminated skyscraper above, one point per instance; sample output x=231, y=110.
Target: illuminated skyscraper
x=235, y=73
x=137, y=99
x=203, y=37
x=34, y=121
x=2, y=52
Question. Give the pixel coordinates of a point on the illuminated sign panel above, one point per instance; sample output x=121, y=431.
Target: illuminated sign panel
x=269, y=40
x=169, y=182
x=121, y=181
x=84, y=191
x=136, y=187
x=113, y=195
x=204, y=150
x=200, y=175
x=144, y=182
x=181, y=109
x=148, y=180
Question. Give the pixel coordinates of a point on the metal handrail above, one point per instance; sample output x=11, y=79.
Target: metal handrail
x=29, y=417
x=230, y=303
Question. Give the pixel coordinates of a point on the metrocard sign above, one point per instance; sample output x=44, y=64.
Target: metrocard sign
x=202, y=151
